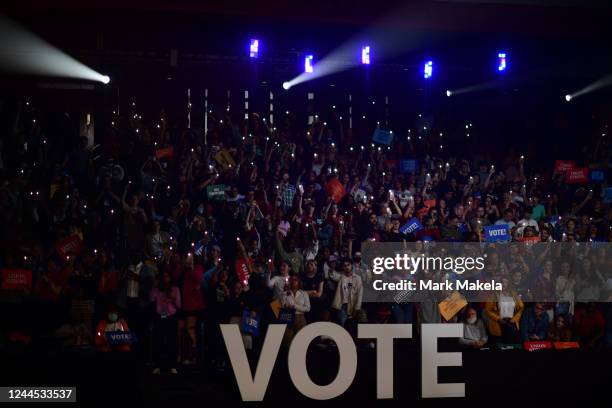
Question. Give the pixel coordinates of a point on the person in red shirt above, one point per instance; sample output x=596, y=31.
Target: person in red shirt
x=111, y=323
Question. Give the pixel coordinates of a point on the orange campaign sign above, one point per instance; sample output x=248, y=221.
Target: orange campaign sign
x=450, y=306
x=565, y=345
x=335, y=189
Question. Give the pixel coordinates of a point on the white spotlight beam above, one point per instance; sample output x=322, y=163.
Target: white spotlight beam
x=600, y=83
x=23, y=52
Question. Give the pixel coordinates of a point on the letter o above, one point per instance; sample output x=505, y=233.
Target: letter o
x=297, y=361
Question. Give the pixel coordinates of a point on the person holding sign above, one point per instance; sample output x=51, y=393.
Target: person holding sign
x=295, y=302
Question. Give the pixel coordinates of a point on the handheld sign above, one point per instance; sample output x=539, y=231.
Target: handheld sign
x=597, y=176
x=561, y=166
x=577, y=176
x=411, y=226
x=70, y=245
x=117, y=338
x=250, y=324
x=537, y=345
x=335, y=189
x=216, y=192
x=407, y=166
x=607, y=195
x=225, y=159
x=497, y=233
x=450, y=306
x=17, y=279
x=287, y=316
x=382, y=136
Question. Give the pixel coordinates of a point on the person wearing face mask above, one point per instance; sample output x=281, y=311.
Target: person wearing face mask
x=110, y=323
x=474, y=333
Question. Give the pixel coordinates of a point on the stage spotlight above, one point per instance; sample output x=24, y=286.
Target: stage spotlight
x=308, y=64
x=105, y=79
x=568, y=97
x=254, y=48
x=449, y=93
x=365, y=55
x=286, y=85
x=502, y=62
x=428, y=69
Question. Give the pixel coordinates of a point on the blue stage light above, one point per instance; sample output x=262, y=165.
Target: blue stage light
x=428, y=69
x=254, y=48
x=502, y=61
x=365, y=55
x=309, y=63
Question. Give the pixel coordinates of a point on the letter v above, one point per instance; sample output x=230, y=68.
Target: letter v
x=252, y=389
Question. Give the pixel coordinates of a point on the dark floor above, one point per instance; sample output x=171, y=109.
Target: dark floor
x=508, y=376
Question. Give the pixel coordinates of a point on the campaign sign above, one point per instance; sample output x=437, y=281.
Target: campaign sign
x=250, y=324
x=577, y=176
x=408, y=166
x=411, y=226
x=497, y=233
x=287, y=316
x=382, y=136
x=561, y=166
x=597, y=176
x=117, y=338
x=17, y=279
x=607, y=195
x=70, y=245
x=537, y=345
x=216, y=192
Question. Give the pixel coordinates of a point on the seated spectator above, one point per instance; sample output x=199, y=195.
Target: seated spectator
x=474, y=333
x=534, y=323
x=559, y=330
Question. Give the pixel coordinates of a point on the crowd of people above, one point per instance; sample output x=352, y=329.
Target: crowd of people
x=165, y=232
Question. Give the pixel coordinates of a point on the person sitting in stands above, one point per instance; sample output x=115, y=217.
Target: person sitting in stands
x=474, y=333
x=534, y=323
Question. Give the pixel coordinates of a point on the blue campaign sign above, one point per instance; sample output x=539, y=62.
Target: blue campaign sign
x=497, y=233
x=408, y=166
x=411, y=226
x=607, y=195
x=597, y=175
x=382, y=136
x=287, y=316
x=250, y=324
x=116, y=338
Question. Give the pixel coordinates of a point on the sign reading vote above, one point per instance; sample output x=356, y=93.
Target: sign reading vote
x=411, y=226
x=382, y=136
x=497, y=233
x=116, y=338
x=408, y=166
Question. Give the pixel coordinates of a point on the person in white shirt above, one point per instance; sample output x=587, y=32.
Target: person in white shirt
x=349, y=293
x=294, y=301
x=527, y=221
x=279, y=283
x=507, y=219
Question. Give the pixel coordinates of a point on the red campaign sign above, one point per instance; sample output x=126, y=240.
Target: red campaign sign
x=335, y=189
x=575, y=176
x=561, y=166
x=17, y=279
x=537, y=345
x=242, y=271
x=165, y=152
x=564, y=345
x=71, y=245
